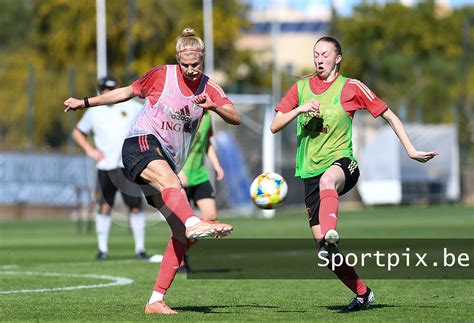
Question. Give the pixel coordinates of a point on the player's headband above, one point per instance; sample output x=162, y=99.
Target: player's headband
x=189, y=50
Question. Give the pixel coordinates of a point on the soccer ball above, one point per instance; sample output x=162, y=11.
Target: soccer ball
x=268, y=190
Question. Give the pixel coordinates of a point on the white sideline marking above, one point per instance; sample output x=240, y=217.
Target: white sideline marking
x=154, y=259
x=116, y=281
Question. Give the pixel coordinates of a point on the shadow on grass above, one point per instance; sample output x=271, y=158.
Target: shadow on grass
x=373, y=306
x=213, y=271
x=211, y=309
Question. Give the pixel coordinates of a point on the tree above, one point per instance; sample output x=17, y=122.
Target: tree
x=390, y=49
x=60, y=36
x=413, y=57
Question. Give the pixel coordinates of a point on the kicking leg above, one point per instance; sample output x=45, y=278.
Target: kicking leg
x=159, y=175
x=347, y=275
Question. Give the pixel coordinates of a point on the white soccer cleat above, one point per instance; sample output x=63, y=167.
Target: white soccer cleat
x=205, y=229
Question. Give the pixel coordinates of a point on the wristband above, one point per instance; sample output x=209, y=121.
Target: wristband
x=86, y=102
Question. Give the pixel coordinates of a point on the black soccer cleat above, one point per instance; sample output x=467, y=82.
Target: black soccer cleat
x=101, y=255
x=360, y=302
x=142, y=256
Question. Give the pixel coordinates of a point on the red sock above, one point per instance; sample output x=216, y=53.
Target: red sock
x=177, y=203
x=348, y=276
x=174, y=255
x=328, y=210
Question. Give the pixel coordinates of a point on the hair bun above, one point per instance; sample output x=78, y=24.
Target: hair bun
x=188, y=32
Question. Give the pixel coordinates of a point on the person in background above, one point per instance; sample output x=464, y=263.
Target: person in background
x=109, y=125
x=195, y=177
x=323, y=105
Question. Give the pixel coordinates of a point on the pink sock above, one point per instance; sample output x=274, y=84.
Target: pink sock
x=174, y=256
x=328, y=210
x=177, y=203
x=349, y=277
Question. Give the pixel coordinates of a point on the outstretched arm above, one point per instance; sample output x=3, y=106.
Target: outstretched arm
x=399, y=129
x=281, y=120
x=115, y=96
x=227, y=111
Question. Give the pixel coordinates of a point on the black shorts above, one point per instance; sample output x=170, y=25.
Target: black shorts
x=111, y=181
x=138, y=152
x=311, y=187
x=200, y=191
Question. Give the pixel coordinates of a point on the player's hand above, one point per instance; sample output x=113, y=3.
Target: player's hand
x=422, y=156
x=96, y=154
x=311, y=106
x=73, y=104
x=204, y=101
x=219, y=173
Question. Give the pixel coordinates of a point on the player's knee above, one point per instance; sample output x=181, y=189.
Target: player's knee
x=135, y=210
x=105, y=209
x=327, y=183
x=165, y=182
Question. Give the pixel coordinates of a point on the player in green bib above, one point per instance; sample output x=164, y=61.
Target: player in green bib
x=324, y=105
x=194, y=175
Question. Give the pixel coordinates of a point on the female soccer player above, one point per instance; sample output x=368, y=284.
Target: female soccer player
x=324, y=105
x=158, y=144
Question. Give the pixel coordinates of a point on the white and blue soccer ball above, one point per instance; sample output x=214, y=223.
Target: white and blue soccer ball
x=268, y=190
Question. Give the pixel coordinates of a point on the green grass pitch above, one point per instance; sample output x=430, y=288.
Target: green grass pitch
x=49, y=254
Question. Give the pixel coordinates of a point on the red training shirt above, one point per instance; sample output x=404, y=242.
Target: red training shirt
x=355, y=96
x=151, y=85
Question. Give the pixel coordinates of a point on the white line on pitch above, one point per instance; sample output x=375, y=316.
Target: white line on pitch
x=116, y=281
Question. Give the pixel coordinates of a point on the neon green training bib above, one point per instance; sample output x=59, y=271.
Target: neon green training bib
x=195, y=167
x=325, y=138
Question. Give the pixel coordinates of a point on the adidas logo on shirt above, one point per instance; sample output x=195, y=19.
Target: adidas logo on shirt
x=183, y=114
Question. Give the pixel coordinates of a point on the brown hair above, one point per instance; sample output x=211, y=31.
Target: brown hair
x=189, y=43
